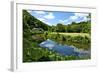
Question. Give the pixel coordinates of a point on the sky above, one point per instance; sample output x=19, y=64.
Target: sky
x=53, y=17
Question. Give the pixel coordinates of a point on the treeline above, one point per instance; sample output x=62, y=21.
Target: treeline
x=82, y=27
x=32, y=22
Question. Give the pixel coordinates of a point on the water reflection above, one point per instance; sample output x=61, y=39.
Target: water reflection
x=64, y=49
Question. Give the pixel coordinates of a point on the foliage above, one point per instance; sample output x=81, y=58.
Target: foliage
x=32, y=22
x=84, y=27
x=35, y=32
x=80, y=41
x=42, y=54
x=60, y=28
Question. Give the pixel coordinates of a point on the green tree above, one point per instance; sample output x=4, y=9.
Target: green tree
x=60, y=27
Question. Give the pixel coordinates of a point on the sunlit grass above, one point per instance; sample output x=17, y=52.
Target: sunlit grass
x=73, y=34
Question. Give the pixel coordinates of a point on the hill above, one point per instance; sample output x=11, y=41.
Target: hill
x=31, y=22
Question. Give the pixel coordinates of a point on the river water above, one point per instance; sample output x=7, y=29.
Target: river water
x=64, y=49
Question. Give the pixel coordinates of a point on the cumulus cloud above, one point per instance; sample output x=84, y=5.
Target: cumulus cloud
x=73, y=18
x=41, y=19
x=29, y=11
x=63, y=20
x=86, y=19
x=47, y=23
x=81, y=14
x=49, y=16
x=77, y=17
x=39, y=12
x=44, y=20
x=67, y=21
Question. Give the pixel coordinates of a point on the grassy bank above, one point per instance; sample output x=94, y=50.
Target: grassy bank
x=79, y=40
x=72, y=34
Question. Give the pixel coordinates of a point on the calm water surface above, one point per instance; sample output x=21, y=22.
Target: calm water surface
x=64, y=49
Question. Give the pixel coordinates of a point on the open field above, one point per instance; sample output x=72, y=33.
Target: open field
x=73, y=34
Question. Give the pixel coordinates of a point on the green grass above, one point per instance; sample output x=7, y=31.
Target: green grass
x=79, y=40
x=33, y=53
x=73, y=34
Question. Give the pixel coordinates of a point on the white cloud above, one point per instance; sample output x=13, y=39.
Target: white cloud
x=77, y=17
x=39, y=12
x=41, y=19
x=69, y=22
x=73, y=17
x=66, y=21
x=63, y=21
x=60, y=20
x=29, y=11
x=81, y=14
x=44, y=20
x=86, y=19
x=49, y=16
x=48, y=23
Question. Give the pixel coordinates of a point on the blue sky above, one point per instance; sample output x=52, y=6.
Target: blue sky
x=52, y=17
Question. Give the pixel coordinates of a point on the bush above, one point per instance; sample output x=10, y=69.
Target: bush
x=43, y=54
